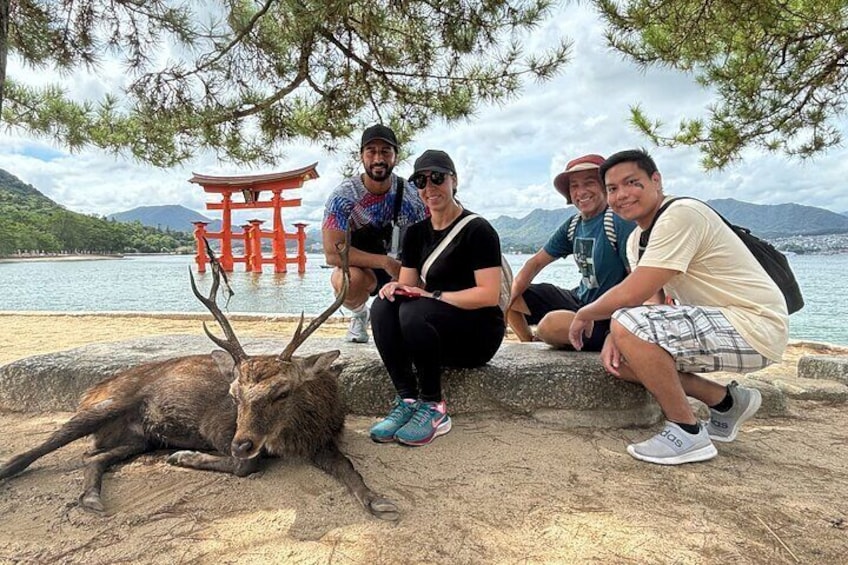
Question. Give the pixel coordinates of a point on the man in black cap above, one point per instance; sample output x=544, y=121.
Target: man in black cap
x=376, y=204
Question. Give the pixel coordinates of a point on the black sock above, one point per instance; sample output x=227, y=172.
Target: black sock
x=692, y=429
x=725, y=404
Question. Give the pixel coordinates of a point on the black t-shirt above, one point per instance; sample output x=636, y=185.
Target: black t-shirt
x=475, y=247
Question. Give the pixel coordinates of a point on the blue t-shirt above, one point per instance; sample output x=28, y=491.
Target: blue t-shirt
x=601, y=267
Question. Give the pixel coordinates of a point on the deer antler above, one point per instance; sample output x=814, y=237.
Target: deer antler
x=232, y=345
x=300, y=337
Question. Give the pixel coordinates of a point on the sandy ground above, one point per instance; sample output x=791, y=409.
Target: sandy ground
x=494, y=490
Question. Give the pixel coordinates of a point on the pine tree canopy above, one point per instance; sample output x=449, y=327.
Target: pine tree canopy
x=779, y=69
x=244, y=77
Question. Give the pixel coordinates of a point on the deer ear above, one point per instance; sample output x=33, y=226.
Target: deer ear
x=315, y=364
x=224, y=362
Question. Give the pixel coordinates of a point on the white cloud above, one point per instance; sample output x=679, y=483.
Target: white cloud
x=506, y=157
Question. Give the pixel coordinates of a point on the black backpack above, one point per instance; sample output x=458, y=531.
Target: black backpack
x=773, y=261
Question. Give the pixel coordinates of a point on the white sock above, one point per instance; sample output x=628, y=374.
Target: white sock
x=359, y=309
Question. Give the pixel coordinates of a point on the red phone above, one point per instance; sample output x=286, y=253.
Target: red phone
x=407, y=293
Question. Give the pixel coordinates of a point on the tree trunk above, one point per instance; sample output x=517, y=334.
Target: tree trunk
x=4, y=48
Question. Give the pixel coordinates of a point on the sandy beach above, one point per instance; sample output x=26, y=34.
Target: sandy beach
x=495, y=490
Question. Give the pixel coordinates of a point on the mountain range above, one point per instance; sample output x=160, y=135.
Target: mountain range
x=528, y=233
x=766, y=221
x=170, y=216
x=532, y=231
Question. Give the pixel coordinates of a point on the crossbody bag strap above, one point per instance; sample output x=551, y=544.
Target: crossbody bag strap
x=444, y=243
x=645, y=236
x=398, y=200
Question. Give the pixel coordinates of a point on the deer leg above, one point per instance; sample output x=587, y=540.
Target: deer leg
x=335, y=463
x=79, y=426
x=214, y=462
x=96, y=465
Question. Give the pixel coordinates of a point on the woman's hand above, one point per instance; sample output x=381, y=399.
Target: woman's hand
x=388, y=290
x=391, y=288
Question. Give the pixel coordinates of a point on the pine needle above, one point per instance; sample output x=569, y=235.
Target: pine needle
x=777, y=537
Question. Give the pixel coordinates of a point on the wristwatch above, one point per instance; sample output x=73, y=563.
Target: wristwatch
x=437, y=294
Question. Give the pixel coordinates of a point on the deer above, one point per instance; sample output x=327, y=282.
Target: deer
x=225, y=411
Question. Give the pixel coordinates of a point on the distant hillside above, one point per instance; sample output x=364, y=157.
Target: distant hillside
x=12, y=185
x=32, y=223
x=781, y=220
x=172, y=216
x=531, y=231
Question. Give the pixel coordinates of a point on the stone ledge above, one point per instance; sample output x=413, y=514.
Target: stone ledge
x=556, y=387
x=824, y=367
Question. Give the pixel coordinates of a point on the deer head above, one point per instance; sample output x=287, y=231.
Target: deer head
x=269, y=391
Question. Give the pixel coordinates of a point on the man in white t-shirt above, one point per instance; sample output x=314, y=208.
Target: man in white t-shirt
x=726, y=315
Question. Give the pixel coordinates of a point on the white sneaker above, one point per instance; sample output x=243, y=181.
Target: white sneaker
x=357, y=331
x=723, y=426
x=673, y=446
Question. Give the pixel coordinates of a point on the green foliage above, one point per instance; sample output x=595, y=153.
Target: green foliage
x=778, y=67
x=31, y=222
x=260, y=74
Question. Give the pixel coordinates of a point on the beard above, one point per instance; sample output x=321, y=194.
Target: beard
x=379, y=177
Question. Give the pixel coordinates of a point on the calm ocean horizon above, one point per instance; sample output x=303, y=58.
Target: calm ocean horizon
x=160, y=283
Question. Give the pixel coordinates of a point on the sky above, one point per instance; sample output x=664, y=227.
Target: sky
x=506, y=156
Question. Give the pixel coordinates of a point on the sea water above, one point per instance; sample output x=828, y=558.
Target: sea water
x=160, y=283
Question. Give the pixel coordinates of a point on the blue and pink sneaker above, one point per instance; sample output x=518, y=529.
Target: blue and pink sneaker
x=429, y=422
x=402, y=411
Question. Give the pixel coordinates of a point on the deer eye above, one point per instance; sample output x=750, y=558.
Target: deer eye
x=282, y=395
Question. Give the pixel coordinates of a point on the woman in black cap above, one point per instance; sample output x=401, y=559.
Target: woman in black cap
x=443, y=310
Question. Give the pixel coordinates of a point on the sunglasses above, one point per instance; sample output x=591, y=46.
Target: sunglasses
x=436, y=177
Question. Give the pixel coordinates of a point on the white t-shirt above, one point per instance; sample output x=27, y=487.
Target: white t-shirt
x=717, y=270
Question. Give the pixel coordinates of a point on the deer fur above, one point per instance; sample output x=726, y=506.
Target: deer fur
x=224, y=412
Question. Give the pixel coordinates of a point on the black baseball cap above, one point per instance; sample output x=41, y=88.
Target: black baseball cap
x=381, y=132
x=434, y=160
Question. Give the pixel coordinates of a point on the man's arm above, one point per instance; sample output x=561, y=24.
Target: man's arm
x=358, y=258
x=640, y=286
x=517, y=308
x=528, y=272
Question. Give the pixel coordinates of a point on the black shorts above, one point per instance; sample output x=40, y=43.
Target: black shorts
x=543, y=298
x=382, y=278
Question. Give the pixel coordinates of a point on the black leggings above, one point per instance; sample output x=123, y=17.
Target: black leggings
x=429, y=334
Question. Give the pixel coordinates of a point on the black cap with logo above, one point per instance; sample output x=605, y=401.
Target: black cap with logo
x=381, y=132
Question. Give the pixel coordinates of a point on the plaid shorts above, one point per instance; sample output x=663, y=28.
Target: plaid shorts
x=700, y=339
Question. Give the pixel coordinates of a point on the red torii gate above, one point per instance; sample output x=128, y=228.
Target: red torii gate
x=251, y=187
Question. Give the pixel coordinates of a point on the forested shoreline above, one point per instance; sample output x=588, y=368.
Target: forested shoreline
x=32, y=224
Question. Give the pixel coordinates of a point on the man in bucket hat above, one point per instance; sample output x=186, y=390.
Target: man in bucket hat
x=595, y=236
x=376, y=204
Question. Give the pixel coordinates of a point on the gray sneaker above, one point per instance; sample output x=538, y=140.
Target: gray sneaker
x=723, y=426
x=673, y=446
x=357, y=331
